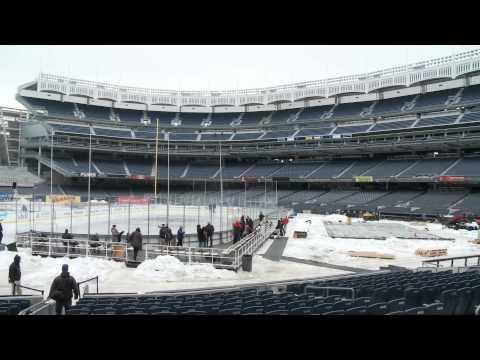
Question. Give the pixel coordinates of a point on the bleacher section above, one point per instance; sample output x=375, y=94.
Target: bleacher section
x=358, y=168
x=388, y=168
x=470, y=204
x=470, y=117
x=314, y=132
x=113, y=168
x=232, y=171
x=435, y=202
x=13, y=306
x=140, y=167
x=283, y=116
x=202, y=171
x=113, y=132
x=313, y=113
x=246, y=136
x=20, y=175
x=223, y=119
x=351, y=129
x=330, y=170
x=278, y=134
x=466, y=167
x=215, y=137
x=428, y=167
x=70, y=129
x=260, y=170
x=470, y=94
x=392, y=105
x=351, y=109
x=391, y=125
x=436, y=121
x=434, y=99
x=254, y=118
x=183, y=137
x=300, y=197
x=297, y=170
x=192, y=119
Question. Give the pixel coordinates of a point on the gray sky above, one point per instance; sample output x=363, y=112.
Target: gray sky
x=217, y=67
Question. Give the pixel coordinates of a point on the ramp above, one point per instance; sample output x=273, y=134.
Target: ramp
x=275, y=250
x=326, y=265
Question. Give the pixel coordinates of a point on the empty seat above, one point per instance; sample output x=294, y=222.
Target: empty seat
x=337, y=312
x=300, y=311
x=415, y=311
x=360, y=310
x=434, y=309
x=378, y=309
x=464, y=298
x=449, y=299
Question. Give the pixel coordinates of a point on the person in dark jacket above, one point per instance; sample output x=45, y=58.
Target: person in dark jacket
x=237, y=229
x=280, y=227
x=162, y=234
x=180, y=235
x=62, y=290
x=136, y=241
x=15, y=275
x=261, y=216
x=200, y=235
x=210, y=230
x=67, y=236
x=168, y=236
x=1, y=232
x=242, y=225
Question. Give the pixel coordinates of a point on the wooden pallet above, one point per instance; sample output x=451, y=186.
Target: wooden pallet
x=371, y=254
x=431, y=252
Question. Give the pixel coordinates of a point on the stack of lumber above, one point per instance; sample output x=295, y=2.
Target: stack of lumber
x=431, y=252
x=370, y=254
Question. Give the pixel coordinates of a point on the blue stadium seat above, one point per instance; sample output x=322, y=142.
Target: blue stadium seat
x=300, y=311
x=412, y=297
x=277, y=306
x=103, y=311
x=396, y=305
x=163, y=313
x=253, y=309
x=434, y=309
x=363, y=301
x=336, y=312
x=378, y=309
x=277, y=312
x=415, y=311
x=230, y=311
x=464, y=299
x=396, y=313
x=195, y=312
x=361, y=310
x=449, y=299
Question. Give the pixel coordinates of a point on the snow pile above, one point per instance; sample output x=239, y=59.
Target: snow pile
x=169, y=268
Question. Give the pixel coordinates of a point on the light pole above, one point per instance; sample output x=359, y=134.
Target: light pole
x=156, y=162
x=51, y=184
x=89, y=180
x=221, y=188
x=168, y=176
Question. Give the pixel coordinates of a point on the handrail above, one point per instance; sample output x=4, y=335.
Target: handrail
x=26, y=287
x=330, y=288
x=84, y=281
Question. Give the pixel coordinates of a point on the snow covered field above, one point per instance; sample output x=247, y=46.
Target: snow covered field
x=320, y=247
x=77, y=218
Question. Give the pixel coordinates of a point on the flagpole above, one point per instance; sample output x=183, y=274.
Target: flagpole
x=156, y=162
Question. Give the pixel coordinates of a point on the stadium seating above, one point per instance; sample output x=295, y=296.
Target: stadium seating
x=389, y=168
x=392, y=105
x=12, y=306
x=254, y=117
x=350, y=109
x=435, y=99
x=428, y=167
x=314, y=113
x=260, y=170
x=352, y=129
x=113, y=132
x=403, y=292
x=223, y=119
x=466, y=167
x=331, y=169
x=314, y=132
x=283, y=116
x=216, y=137
x=470, y=117
x=436, y=121
x=278, y=134
x=70, y=129
x=470, y=94
x=391, y=125
x=246, y=136
x=359, y=167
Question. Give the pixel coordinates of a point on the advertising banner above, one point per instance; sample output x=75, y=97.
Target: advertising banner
x=452, y=179
x=139, y=200
x=63, y=199
x=5, y=196
x=363, y=179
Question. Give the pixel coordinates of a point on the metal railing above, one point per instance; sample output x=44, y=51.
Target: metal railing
x=437, y=261
x=86, y=286
x=28, y=288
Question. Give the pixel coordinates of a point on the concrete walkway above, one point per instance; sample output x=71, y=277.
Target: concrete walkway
x=325, y=265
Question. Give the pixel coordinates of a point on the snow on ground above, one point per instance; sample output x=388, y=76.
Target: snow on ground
x=162, y=273
x=319, y=246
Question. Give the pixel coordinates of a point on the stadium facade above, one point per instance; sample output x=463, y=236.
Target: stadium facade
x=403, y=140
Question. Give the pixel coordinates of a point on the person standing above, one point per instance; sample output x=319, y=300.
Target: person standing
x=168, y=236
x=210, y=230
x=261, y=216
x=180, y=235
x=199, y=235
x=115, y=234
x=162, y=234
x=62, y=290
x=285, y=223
x=14, y=276
x=136, y=241
x=1, y=232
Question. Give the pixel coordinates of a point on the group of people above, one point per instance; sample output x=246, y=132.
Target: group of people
x=243, y=227
x=282, y=226
x=62, y=290
x=205, y=235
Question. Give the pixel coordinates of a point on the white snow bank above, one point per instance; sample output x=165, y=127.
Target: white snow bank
x=169, y=268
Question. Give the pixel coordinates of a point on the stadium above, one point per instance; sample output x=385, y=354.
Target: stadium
x=375, y=176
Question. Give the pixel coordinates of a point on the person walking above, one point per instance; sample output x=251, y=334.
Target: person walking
x=62, y=290
x=15, y=275
x=180, y=235
x=210, y=230
x=199, y=235
x=279, y=227
x=136, y=241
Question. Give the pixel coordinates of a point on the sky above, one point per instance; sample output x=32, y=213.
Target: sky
x=201, y=67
